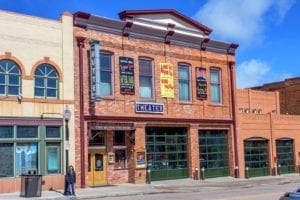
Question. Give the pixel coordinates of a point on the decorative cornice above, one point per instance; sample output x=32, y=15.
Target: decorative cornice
x=105, y=25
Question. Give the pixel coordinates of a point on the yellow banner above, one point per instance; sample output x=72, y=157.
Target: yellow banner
x=166, y=80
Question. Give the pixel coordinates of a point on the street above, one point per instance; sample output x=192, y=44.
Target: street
x=237, y=191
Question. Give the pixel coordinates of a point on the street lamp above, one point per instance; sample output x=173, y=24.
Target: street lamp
x=67, y=117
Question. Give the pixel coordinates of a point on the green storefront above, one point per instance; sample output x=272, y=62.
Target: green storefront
x=213, y=153
x=167, y=155
x=256, y=157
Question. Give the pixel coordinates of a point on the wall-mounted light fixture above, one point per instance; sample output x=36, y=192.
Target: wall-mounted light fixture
x=170, y=32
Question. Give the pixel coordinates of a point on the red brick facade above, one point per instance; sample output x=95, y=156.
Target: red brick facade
x=269, y=125
x=193, y=115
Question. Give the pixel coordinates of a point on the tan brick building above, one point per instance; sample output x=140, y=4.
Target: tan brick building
x=36, y=85
x=151, y=88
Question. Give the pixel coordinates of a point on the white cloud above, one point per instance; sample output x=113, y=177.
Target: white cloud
x=251, y=73
x=257, y=72
x=242, y=21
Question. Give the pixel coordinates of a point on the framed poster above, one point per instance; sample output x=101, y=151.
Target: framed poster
x=126, y=75
x=201, y=83
x=140, y=157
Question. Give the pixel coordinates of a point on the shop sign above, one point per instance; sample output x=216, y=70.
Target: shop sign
x=126, y=75
x=95, y=70
x=146, y=107
x=201, y=84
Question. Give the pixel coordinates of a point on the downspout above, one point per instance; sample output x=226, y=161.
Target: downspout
x=80, y=43
x=233, y=105
x=232, y=87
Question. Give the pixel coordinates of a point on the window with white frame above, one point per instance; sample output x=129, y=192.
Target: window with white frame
x=106, y=74
x=146, y=78
x=10, y=78
x=215, y=85
x=184, y=82
x=45, y=81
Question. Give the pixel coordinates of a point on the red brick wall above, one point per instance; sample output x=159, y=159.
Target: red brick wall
x=123, y=105
x=267, y=125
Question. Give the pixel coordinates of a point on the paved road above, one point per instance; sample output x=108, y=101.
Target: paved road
x=271, y=190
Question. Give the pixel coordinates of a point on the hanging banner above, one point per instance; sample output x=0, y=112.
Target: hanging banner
x=201, y=83
x=126, y=75
x=95, y=70
x=166, y=80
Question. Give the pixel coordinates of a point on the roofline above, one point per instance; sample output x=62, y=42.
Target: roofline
x=88, y=21
x=130, y=13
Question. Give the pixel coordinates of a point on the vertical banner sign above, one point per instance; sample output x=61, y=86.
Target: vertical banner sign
x=201, y=84
x=126, y=75
x=166, y=80
x=95, y=70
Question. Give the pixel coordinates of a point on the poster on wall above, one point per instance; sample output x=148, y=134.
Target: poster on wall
x=166, y=80
x=126, y=75
x=140, y=159
x=201, y=83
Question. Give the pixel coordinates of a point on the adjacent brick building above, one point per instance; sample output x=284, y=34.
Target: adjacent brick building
x=36, y=85
x=289, y=94
x=268, y=142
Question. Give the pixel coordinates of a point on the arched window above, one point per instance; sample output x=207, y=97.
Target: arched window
x=10, y=78
x=45, y=82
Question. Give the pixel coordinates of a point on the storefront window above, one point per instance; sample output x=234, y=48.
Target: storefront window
x=213, y=152
x=119, y=138
x=120, y=159
x=6, y=132
x=53, y=158
x=7, y=160
x=167, y=148
x=27, y=132
x=30, y=148
x=96, y=138
x=26, y=158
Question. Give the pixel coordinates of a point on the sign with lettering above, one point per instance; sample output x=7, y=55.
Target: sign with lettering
x=95, y=70
x=146, y=107
x=166, y=80
x=201, y=84
x=126, y=75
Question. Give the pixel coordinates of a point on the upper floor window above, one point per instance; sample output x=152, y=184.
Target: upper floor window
x=10, y=78
x=215, y=85
x=119, y=138
x=146, y=78
x=45, y=81
x=106, y=74
x=184, y=82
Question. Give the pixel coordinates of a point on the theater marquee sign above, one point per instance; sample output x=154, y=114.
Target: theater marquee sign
x=146, y=107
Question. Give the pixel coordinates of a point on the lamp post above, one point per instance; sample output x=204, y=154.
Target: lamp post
x=67, y=117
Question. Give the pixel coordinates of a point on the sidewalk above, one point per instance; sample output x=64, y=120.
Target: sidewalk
x=157, y=187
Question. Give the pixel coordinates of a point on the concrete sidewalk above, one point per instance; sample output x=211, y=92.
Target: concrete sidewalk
x=158, y=187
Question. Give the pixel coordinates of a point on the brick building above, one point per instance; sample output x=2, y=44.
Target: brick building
x=35, y=55
x=153, y=91
x=268, y=142
x=289, y=94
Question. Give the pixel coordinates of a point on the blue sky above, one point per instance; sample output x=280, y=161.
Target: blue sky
x=267, y=31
